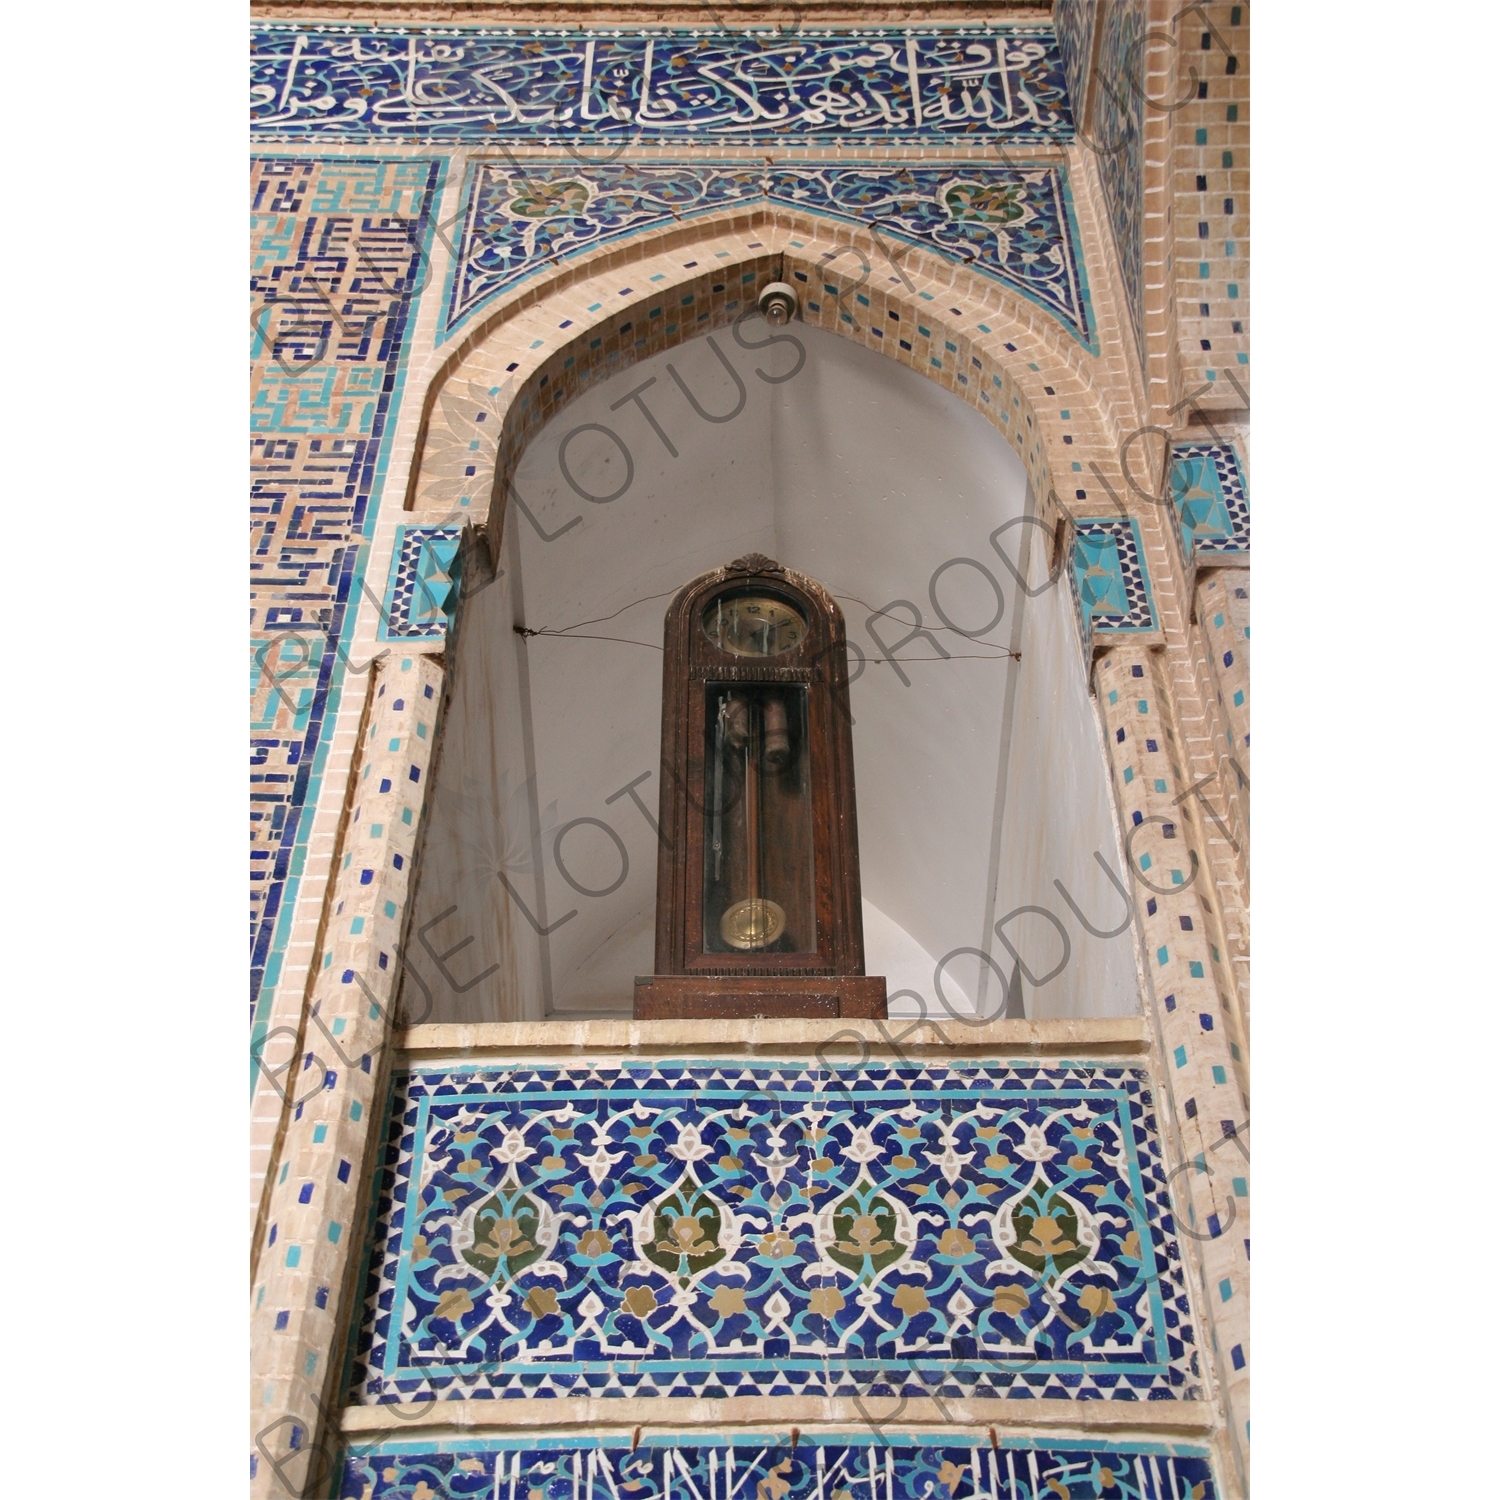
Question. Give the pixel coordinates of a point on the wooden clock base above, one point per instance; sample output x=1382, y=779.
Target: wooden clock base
x=692, y=997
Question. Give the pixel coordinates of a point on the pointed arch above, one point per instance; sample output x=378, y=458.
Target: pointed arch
x=556, y=337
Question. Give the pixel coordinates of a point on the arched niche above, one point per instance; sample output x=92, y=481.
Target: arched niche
x=981, y=782
x=489, y=394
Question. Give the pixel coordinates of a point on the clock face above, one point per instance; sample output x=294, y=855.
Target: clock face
x=754, y=625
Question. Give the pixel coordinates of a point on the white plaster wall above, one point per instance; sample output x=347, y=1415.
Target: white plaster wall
x=1057, y=818
x=478, y=824
x=971, y=798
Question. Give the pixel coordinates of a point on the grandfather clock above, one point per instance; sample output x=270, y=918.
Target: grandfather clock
x=757, y=887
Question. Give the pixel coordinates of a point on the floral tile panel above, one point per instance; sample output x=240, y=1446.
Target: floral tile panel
x=1014, y=224
x=713, y=1229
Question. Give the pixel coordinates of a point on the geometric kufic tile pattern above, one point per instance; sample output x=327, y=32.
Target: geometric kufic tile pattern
x=1111, y=588
x=309, y=1233
x=634, y=86
x=764, y=1466
x=710, y=1228
x=420, y=594
x=1208, y=494
x=338, y=247
x=1012, y=224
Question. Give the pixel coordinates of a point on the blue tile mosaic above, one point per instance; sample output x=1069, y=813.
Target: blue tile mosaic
x=1208, y=494
x=1116, y=135
x=1073, y=21
x=422, y=592
x=1013, y=224
x=713, y=1228
x=1111, y=587
x=338, y=247
x=765, y=1466
x=360, y=84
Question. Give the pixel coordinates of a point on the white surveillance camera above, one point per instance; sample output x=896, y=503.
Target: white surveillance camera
x=778, y=303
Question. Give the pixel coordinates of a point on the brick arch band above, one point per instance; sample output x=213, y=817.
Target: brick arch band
x=987, y=345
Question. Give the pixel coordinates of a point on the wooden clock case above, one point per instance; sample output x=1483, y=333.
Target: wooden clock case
x=690, y=981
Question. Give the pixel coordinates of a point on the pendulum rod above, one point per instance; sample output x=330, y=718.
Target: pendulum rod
x=719, y=785
x=752, y=817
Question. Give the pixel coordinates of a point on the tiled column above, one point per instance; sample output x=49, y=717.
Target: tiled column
x=1209, y=522
x=1188, y=979
x=299, y=1303
x=1211, y=196
x=1223, y=600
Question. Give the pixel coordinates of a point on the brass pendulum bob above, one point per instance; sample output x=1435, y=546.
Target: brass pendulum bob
x=754, y=922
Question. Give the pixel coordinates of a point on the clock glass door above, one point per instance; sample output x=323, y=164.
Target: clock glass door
x=758, y=892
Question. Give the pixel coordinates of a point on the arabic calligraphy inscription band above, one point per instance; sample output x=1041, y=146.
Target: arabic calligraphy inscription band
x=765, y=1466
x=873, y=85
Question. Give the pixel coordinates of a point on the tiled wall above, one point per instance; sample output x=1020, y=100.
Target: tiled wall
x=338, y=246
x=1015, y=224
x=766, y=86
x=728, y=1228
x=774, y=1466
x=332, y=1078
x=951, y=1215
x=1116, y=136
x=1073, y=21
